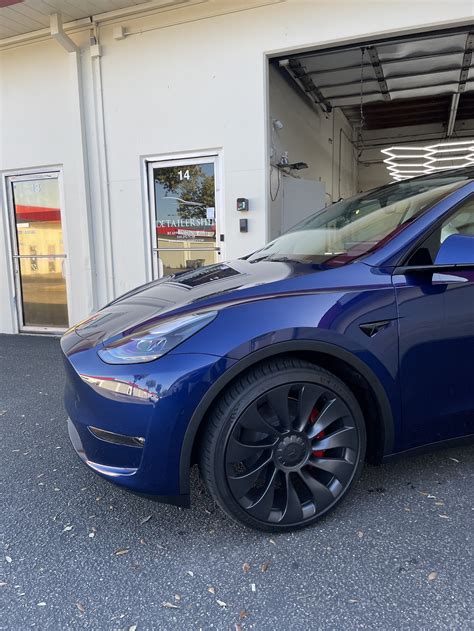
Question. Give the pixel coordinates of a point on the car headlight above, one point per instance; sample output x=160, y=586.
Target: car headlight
x=153, y=342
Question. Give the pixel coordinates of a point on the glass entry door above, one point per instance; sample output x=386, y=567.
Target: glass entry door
x=39, y=258
x=184, y=215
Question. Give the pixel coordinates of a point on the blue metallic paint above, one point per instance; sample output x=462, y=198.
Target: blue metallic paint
x=436, y=342
x=419, y=366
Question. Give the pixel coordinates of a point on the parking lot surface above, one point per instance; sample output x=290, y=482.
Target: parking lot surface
x=81, y=553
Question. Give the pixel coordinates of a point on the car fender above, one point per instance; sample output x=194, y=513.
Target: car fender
x=272, y=350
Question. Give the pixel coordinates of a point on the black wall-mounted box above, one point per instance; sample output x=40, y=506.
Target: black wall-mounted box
x=242, y=204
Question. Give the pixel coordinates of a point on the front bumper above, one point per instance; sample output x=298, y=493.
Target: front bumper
x=149, y=405
x=106, y=470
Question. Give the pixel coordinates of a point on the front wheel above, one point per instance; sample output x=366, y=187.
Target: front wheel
x=283, y=445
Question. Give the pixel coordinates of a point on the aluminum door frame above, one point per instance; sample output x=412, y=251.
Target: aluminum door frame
x=175, y=161
x=14, y=255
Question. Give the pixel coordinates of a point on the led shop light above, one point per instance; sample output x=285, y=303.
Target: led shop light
x=405, y=162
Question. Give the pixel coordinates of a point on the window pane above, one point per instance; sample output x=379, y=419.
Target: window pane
x=461, y=222
x=43, y=290
x=176, y=261
x=38, y=216
x=185, y=206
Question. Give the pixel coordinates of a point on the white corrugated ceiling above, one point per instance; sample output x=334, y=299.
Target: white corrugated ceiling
x=426, y=67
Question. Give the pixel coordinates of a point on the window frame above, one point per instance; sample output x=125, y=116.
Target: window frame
x=404, y=268
x=19, y=175
x=151, y=161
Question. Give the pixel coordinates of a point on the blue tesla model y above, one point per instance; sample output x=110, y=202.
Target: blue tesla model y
x=349, y=338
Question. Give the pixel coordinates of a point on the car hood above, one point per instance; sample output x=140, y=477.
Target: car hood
x=214, y=285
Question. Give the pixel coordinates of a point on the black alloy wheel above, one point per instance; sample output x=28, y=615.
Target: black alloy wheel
x=283, y=446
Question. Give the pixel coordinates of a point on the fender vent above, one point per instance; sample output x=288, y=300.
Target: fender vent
x=372, y=328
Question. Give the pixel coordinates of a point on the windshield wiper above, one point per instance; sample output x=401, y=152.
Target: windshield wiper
x=276, y=259
x=284, y=259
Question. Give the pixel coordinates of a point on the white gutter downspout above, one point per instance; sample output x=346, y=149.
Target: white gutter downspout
x=57, y=33
x=103, y=169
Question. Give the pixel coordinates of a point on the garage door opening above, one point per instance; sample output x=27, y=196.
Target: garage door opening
x=348, y=119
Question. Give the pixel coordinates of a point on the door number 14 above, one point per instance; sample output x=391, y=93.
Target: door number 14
x=184, y=175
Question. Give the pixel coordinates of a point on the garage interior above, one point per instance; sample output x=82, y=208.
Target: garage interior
x=334, y=111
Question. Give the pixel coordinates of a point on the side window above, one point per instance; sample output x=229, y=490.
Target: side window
x=460, y=222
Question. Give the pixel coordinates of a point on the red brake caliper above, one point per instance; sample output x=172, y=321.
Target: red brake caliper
x=318, y=453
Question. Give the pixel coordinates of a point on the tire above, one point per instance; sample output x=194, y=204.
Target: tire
x=284, y=444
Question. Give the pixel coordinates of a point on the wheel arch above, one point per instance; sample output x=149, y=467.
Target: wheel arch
x=362, y=381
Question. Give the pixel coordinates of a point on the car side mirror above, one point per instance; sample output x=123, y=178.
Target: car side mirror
x=457, y=249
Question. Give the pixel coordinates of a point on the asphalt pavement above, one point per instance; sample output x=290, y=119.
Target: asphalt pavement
x=78, y=552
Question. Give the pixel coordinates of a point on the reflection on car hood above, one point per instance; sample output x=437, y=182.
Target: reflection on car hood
x=211, y=285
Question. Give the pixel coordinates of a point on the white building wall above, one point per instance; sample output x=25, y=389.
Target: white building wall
x=178, y=91
x=41, y=128
x=184, y=80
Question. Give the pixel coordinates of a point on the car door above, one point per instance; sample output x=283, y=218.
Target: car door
x=436, y=334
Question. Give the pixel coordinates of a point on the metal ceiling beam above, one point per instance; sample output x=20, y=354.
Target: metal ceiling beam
x=385, y=62
x=406, y=139
x=423, y=101
x=403, y=122
x=371, y=126
x=298, y=73
x=420, y=119
x=407, y=122
x=466, y=62
x=404, y=110
x=316, y=84
x=392, y=77
x=378, y=70
x=335, y=97
x=453, y=111
x=386, y=41
x=419, y=115
x=463, y=77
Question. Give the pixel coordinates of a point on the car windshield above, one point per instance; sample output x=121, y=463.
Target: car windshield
x=352, y=228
